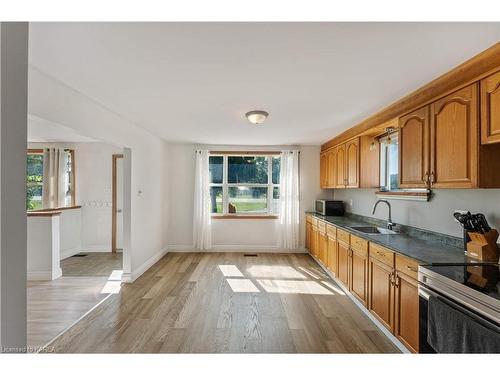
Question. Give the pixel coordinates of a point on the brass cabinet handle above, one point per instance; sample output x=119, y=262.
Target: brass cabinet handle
x=411, y=268
x=432, y=178
x=426, y=178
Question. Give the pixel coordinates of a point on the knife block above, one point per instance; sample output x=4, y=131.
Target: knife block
x=483, y=245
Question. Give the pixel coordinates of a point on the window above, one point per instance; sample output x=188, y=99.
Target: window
x=34, y=179
x=244, y=184
x=34, y=175
x=389, y=163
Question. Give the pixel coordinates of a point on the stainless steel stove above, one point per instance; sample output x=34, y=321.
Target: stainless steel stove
x=472, y=289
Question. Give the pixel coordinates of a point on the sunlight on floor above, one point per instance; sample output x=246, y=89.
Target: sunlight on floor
x=293, y=287
x=242, y=286
x=114, y=283
x=278, y=272
x=333, y=287
x=229, y=270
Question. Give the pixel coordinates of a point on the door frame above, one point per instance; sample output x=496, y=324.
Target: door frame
x=115, y=157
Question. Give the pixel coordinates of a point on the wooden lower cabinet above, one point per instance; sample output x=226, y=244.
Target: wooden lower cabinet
x=343, y=255
x=332, y=261
x=358, y=274
x=322, y=247
x=406, y=327
x=314, y=241
x=381, y=292
x=308, y=235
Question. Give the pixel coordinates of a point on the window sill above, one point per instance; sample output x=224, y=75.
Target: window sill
x=418, y=195
x=54, y=209
x=245, y=217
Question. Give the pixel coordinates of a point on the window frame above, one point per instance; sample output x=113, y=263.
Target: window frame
x=384, y=162
x=269, y=214
x=72, y=184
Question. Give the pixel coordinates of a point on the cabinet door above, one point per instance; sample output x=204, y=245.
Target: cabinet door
x=332, y=255
x=308, y=235
x=343, y=252
x=314, y=240
x=331, y=169
x=322, y=247
x=340, y=158
x=352, y=163
x=454, y=140
x=407, y=311
x=323, y=170
x=358, y=275
x=490, y=109
x=381, y=292
x=414, y=149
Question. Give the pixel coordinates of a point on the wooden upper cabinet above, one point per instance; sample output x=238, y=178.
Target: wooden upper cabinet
x=340, y=159
x=352, y=163
x=331, y=169
x=323, y=170
x=454, y=139
x=414, y=149
x=490, y=109
x=369, y=162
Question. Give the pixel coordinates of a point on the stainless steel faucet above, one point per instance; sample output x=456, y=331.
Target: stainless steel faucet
x=390, y=224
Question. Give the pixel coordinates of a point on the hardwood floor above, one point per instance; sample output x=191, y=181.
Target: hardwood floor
x=92, y=264
x=55, y=305
x=227, y=303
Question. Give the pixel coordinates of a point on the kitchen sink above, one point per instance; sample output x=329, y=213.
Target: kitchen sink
x=373, y=230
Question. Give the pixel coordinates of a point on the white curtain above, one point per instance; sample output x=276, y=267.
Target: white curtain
x=54, y=178
x=289, y=200
x=202, y=221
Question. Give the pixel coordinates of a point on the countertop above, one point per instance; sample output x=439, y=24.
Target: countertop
x=425, y=251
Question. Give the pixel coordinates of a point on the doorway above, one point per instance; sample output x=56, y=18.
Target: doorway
x=117, y=204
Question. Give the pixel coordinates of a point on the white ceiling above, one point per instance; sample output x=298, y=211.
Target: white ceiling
x=40, y=130
x=193, y=82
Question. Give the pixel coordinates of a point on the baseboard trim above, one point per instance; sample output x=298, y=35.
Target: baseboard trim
x=365, y=311
x=130, y=277
x=234, y=249
x=69, y=253
x=96, y=249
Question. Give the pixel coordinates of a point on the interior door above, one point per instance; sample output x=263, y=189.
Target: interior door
x=117, y=235
x=414, y=149
x=454, y=139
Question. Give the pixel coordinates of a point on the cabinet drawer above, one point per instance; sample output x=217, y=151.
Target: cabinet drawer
x=322, y=226
x=382, y=254
x=314, y=221
x=359, y=244
x=309, y=218
x=331, y=231
x=342, y=235
x=407, y=266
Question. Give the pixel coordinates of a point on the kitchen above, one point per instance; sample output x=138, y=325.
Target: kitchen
x=433, y=292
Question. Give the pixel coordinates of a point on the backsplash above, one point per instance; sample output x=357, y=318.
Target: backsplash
x=435, y=215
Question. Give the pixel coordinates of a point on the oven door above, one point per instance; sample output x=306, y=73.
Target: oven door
x=423, y=295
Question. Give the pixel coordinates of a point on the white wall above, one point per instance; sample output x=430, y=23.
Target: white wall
x=13, y=125
x=227, y=234
x=435, y=215
x=54, y=101
x=93, y=168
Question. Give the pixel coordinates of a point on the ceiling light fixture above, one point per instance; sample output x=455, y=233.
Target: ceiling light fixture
x=256, y=117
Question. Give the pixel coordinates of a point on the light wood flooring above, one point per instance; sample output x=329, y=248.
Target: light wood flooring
x=227, y=303
x=92, y=264
x=55, y=305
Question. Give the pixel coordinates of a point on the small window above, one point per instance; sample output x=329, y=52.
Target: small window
x=34, y=179
x=389, y=162
x=245, y=185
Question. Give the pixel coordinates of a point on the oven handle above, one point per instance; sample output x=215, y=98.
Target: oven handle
x=426, y=293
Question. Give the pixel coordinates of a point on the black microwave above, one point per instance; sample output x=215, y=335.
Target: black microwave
x=329, y=208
